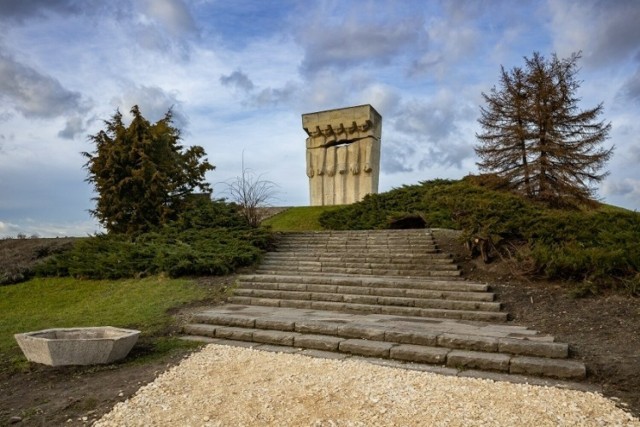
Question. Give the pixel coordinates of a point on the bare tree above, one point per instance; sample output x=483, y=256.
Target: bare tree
x=251, y=192
x=535, y=135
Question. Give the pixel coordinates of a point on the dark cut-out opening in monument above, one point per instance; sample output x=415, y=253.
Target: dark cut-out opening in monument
x=407, y=222
x=341, y=142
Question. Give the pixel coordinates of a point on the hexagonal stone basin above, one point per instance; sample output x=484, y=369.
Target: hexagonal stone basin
x=77, y=346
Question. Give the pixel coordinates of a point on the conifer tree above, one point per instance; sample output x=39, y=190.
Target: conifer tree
x=537, y=138
x=142, y=174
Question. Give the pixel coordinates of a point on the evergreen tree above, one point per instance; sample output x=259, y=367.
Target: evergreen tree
x=142, y=174
x=535, y=136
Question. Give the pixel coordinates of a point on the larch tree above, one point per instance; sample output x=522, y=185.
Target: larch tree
x=141, y=173
x=537, y=138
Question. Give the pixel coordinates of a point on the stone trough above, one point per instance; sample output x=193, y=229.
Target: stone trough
x=77, y=346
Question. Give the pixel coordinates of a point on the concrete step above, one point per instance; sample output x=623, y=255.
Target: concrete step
x=382, y=272
x=355, y=253
x=461, y=345
x=367, y=281
x=356, y=246
x=356, y=239
x=366, y=290
x=320, y=265
x=371, y=235
x=392, y=258
x=388, y=294
x=368, y=299
x=353, y=307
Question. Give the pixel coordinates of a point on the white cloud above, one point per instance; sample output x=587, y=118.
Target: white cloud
x=75, y=126
x=36, y=95
x=625, y=191
x=153, y=101
x=173, y=15
x=606, y=31
x=352, y=36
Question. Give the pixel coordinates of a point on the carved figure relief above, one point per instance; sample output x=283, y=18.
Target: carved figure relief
x=343, y=154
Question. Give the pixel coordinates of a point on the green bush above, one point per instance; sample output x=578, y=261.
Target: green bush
x=597, y=247
x=209, y=239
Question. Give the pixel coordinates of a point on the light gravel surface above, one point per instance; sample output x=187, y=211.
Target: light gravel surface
x=231, y=386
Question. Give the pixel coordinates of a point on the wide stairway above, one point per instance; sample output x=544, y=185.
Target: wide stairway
x=386, y=294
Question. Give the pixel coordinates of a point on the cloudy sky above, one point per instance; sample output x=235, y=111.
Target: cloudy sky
x=239, y=74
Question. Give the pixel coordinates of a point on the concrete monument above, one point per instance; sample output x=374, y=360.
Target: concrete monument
x=343, y=154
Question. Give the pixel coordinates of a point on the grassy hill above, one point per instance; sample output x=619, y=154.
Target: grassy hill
x=301, y=218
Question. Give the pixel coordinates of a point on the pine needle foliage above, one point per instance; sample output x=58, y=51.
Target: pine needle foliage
x=142, y=174
x=536, y=137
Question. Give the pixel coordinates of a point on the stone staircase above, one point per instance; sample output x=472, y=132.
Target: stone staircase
x=388, y=294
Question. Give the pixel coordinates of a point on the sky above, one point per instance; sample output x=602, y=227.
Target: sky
x=239, y=74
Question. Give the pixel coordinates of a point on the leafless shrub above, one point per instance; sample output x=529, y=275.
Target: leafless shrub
x=251, y=192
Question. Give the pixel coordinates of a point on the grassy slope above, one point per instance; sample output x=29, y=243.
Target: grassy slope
x=302, y=218
x=596, y=248
x=65, y=302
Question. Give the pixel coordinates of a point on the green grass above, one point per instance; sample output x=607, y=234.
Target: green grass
x=64, y=302
x=302, y=218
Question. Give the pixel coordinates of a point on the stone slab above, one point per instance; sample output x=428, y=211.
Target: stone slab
x=230, y=320
x=534, y=348
x=419, y=354
x=200, y=329
x=557, y=368
x=361, y=332
x=317, y=342
x=233, y=333
x=316, y=327
x=409, y=337
x=274, y=337
x=366, y=348
x=274, y=324
x=468, y=342
x=461, y=359
x=295, y=304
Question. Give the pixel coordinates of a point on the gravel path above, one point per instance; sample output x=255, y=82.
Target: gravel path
x=231, y=386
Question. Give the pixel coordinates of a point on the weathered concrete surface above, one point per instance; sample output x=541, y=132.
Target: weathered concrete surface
x=548, y=367
x=366, y=348
x=419, y=354
x=343, y=154
x=475, y=359
x=401, y=319
x=77, y=346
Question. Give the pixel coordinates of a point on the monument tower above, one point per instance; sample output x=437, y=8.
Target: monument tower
x=343, y=154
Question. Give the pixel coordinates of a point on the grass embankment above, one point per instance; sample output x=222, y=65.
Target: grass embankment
x=595, y=247
x=303, y=218
x=141, y=304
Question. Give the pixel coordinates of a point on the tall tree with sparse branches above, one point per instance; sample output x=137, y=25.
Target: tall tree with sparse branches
x=142, y=174
x=537, y=138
